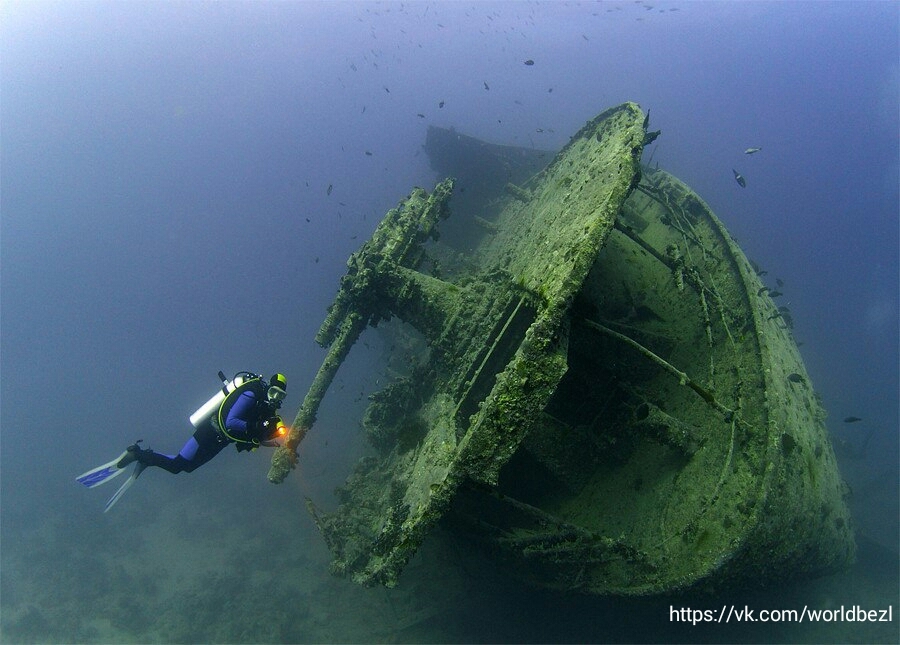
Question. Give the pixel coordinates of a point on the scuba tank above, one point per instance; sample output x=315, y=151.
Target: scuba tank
x=208, y=410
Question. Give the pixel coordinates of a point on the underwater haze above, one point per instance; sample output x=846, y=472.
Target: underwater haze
x=181, y=184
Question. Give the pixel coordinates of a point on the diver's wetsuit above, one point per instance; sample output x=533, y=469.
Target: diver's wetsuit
x=207, y=441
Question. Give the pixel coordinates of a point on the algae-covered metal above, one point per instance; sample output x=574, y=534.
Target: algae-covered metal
x=496, y=338
x=603, y=394
x=685, y=444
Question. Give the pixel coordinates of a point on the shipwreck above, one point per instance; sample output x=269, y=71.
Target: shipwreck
x=604, y=395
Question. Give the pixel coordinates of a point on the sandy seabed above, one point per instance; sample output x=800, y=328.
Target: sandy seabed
x=199, y=571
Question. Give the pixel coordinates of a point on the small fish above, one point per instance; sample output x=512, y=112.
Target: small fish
x=441, y=104
x=762, y=291
x=529, y=62
x=739, y=178
x=793, y=377
x=750, y=151
x=368, y=154
x=420, y=115
x=386, y=89
x=775, y=294
x=330, y=188
x=486, y=85
x=307, y=220
x=852, y=419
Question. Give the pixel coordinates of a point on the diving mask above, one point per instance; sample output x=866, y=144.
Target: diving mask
x=275, y=394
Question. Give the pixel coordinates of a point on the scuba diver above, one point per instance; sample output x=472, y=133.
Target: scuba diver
x=242, y=412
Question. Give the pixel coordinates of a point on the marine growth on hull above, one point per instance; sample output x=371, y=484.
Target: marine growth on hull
x=604, y=394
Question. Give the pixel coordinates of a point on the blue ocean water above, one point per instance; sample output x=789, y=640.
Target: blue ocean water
x=180, y=187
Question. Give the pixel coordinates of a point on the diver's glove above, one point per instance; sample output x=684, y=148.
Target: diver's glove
x=267, y=428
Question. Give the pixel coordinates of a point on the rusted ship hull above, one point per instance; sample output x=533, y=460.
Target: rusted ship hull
x=605, y=395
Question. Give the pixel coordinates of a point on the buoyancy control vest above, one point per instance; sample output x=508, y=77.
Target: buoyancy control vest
x=216, y=409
